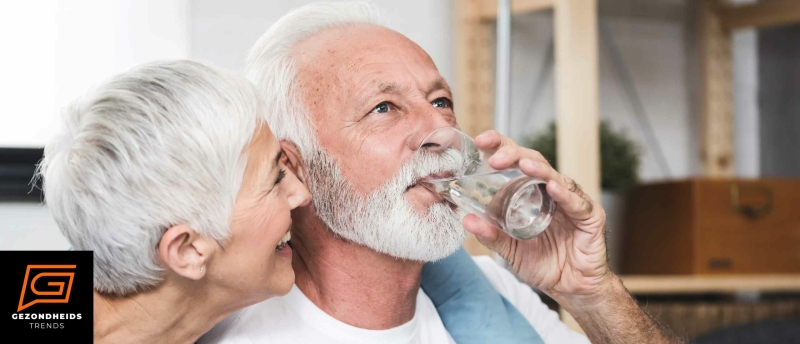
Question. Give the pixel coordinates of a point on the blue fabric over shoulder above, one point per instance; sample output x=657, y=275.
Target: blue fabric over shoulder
x=469, y=306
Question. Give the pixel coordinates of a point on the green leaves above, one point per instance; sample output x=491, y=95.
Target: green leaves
x=620, y=156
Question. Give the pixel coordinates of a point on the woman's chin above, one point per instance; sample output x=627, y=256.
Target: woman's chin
x=285, y=283
x=283, y=275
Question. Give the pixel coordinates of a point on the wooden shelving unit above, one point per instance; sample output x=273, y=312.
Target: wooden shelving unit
x=671, y=285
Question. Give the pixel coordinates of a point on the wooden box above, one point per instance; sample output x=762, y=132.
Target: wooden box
x=713, y=226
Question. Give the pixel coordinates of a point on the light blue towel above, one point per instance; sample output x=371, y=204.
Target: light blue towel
x=470, y=308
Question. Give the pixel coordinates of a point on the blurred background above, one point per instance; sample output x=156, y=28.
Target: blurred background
x=682, y=116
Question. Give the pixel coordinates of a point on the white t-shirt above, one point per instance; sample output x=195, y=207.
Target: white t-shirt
x=295, y=319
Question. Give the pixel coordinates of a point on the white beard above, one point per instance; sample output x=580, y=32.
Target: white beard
x=385, y=220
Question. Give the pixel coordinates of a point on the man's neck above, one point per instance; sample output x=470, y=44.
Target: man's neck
x=167, y=314
x=353, y=283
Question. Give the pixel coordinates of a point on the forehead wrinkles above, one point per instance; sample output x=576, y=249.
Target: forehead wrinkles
x=341, y=79
x=339, y=53
x=356, y=76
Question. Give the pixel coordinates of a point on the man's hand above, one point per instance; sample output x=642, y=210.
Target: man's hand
x=568, y=259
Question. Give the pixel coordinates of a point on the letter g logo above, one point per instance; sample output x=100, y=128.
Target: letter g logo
x=61, y=276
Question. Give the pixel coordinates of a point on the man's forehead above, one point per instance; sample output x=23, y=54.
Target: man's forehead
x=338, y=40
x=361, y=51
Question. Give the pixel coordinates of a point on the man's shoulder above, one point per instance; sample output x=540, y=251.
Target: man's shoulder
x=489, y=266
x=545, y=321
x=521, y=295
x=260, y=318
x=503, y=280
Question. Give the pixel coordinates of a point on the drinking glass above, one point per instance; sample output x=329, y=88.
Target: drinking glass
x=517, y=204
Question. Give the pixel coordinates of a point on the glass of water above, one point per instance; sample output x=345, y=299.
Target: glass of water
x=517, y=204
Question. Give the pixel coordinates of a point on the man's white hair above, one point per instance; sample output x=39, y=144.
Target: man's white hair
x=158, y=146
x=270, y=65
x=384, y=220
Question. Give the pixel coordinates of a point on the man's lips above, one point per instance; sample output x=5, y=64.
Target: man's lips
x=423, y=180
x=426, y=193
x=422, y=194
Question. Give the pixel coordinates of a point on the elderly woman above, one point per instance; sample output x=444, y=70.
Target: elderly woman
x=169, y=175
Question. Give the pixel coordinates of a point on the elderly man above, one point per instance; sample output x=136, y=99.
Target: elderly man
x=351, y=100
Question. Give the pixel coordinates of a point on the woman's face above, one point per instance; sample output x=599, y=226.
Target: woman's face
x=256, y=262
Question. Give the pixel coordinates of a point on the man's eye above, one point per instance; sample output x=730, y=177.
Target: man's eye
x=442, y=103
x=383, y=107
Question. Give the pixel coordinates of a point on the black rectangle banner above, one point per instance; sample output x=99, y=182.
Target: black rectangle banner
x=46, y=295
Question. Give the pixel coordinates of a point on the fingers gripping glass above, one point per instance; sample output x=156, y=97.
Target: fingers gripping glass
x=508, y=199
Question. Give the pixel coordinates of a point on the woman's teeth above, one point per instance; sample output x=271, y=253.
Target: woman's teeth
x=286, y=237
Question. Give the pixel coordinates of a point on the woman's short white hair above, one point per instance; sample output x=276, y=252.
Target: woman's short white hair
x=158, y=146
x=271, y=68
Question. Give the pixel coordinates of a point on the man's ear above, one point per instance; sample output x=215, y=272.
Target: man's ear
x=293, y=160
x=185, y=252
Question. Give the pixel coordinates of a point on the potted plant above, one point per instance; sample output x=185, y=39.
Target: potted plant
x=620, y=157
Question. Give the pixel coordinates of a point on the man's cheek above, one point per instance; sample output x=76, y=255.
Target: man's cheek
x=368, y=175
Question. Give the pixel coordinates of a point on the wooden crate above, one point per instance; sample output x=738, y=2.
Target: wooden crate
x=710, y=226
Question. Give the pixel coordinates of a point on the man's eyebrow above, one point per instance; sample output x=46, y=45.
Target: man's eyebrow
x=383, y=88
x=393, y=87
x=389, y=88
x=439, y=84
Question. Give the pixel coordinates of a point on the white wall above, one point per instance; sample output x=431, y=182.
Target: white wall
x=745, y=103
x=224, y=31
x=655, y=54
x=29, y=226
x=27, y=71
x=56, y=51
x=747, y=140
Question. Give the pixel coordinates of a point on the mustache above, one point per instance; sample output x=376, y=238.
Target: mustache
x=425, y=163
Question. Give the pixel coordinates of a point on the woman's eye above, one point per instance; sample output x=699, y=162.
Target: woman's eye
x=281, y=175
x=381, y=108
x=441, y=103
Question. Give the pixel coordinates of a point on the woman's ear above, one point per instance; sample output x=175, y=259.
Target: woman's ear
x=293, y=160
x=185, y=252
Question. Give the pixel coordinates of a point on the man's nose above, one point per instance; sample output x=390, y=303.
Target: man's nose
x=428, y=123
x=440, y=139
